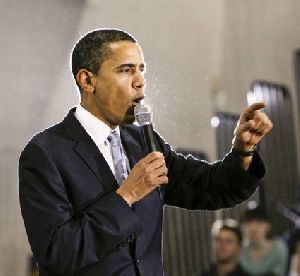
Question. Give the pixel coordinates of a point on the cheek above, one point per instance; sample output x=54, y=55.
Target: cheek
x=251, y=228
x=231, y=248
x=124, y=95
x=121, y=104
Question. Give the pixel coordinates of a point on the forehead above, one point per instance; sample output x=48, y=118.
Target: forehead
x=124, y=52
x=256, y=222
x=226, y=234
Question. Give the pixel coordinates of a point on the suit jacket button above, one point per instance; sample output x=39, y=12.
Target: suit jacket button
x=137, y=261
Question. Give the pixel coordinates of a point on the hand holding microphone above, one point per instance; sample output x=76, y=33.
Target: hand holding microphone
x=151, y=171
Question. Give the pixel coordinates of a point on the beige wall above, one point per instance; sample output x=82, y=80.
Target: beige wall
x=32, y=51
x=201, y=58
x=259, y=42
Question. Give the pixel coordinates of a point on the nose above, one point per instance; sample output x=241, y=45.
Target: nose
x=139, y=81
x=138, y=84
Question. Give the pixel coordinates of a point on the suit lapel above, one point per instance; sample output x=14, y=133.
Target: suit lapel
x=87, y=150
x=131, y=145
x=93, y=158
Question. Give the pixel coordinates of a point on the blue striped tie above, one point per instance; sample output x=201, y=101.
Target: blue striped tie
x=117, y=156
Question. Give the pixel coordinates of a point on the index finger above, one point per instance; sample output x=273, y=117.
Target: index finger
x=153, y=156
x=251, y=109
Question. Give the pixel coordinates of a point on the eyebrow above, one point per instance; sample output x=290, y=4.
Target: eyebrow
x=131, y=65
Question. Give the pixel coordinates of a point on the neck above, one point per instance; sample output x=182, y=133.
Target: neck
x=259, y=245
x=94, y=111
x=260, y=249
x=225, y=267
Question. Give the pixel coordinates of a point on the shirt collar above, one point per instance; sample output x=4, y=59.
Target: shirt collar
x=96, y=128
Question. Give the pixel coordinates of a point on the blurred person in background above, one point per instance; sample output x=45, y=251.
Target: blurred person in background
x=261, y=255
x=227, y=243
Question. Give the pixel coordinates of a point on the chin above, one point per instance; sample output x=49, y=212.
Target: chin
x=129, y=119
x=224, y=260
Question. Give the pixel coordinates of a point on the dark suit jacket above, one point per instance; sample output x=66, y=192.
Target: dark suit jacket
x=76, y=223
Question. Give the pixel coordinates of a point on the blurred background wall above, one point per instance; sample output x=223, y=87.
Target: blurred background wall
x=202, y=57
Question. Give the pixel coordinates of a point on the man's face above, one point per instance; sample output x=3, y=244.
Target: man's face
x=119, y=84
x=255, y=231
x=227, y=246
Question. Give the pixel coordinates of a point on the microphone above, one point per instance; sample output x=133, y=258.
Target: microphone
x=143, y=116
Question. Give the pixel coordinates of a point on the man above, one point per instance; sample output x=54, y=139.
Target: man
x=227, y=240
x=82, y=214
x=262, y=254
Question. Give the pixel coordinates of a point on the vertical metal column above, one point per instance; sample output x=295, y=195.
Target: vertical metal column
x=297, y=76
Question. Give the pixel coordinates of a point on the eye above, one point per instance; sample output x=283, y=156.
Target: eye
x=125, y=70
x=143, y=70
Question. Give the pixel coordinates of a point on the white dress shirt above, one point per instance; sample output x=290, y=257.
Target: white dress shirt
x=98, y=131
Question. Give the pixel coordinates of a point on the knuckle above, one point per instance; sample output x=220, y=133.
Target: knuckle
x=158, y=154
x=144, y=166
x=152, y=154
x=251, y=123
x=147, y=169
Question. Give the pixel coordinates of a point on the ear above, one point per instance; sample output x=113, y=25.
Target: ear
x=86, y=80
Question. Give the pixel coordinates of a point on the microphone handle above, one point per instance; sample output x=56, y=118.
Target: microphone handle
x=148, y=138
x=149, y=146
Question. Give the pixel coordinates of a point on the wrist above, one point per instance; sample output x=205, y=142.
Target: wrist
x=244, y=156
x=126, y=196
x=242, y=152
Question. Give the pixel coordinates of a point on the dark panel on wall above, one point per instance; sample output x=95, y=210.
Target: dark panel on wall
x=186, y=241
x=297, y=76
x=278, y=150
x=297, y=80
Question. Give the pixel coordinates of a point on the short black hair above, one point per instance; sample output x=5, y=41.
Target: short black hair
x=91, y=49
x=227, y=225
x=257, y=213
x=234, y=229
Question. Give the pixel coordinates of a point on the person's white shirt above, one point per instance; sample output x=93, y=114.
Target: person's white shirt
x=99, y=132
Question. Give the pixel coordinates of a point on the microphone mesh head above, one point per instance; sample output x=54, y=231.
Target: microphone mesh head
x=143, y=114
